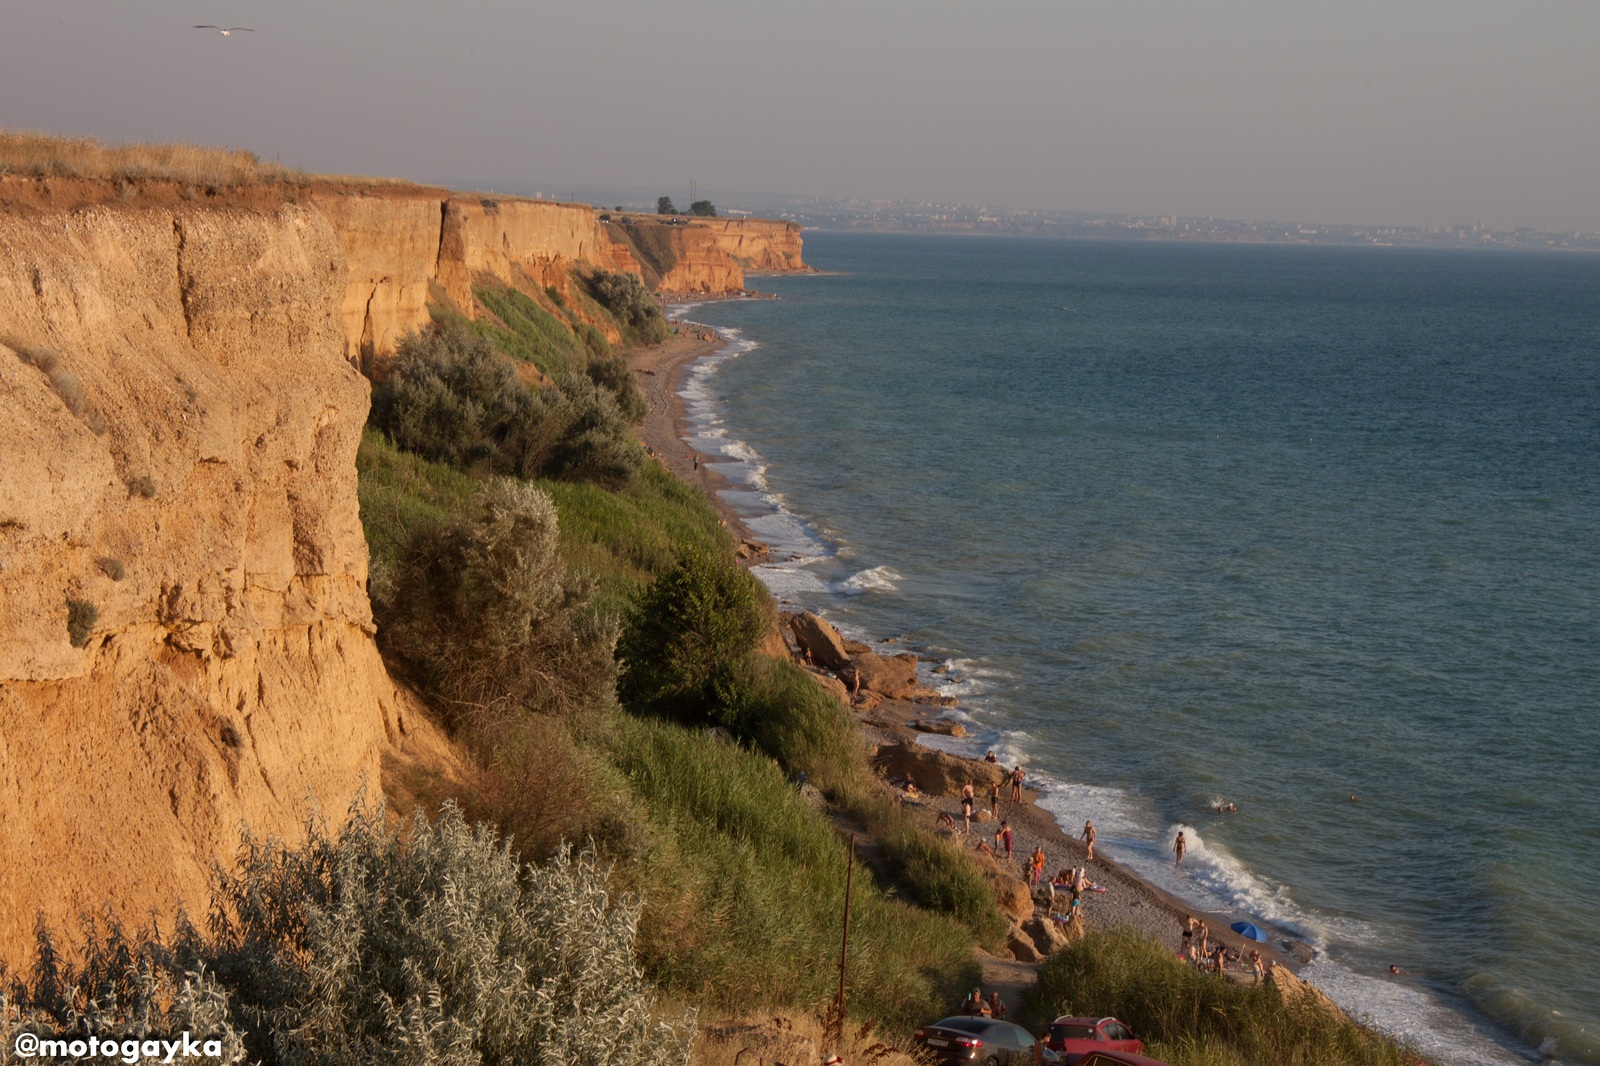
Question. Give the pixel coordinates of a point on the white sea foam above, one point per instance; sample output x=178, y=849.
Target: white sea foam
x=879, y=578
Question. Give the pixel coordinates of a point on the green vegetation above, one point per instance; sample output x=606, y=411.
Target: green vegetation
x=373, y=945
x=529, y=333
x=532, y=642
x=703, y=209
x=110, y=567
x=451, y=398
x=1192, y=1019
x=625, y=297
x=655, y=247
x=664, y=206
x=744, y=892
x=686, y=638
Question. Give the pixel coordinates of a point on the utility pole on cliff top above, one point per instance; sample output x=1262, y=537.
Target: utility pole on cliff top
x=691, y=194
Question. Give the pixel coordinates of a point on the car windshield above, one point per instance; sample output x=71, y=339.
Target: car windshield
x=1061, y=1031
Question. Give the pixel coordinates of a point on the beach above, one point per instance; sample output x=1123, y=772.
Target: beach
x=1128, y=901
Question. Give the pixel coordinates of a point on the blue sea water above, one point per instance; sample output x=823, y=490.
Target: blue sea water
x=1309, y=530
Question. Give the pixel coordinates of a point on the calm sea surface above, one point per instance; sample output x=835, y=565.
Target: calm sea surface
x=1271, y=525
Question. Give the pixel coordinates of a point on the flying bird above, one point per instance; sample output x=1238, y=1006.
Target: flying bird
x=226, y=30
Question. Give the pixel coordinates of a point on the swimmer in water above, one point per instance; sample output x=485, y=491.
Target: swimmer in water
x=1179, y=846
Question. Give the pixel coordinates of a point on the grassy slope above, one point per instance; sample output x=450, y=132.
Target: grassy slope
x=743, y=880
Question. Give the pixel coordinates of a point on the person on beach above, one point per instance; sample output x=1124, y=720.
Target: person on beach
x=1220, y=961
x=1179, y=846
x=1016, y=784
x=990, y=757
x=994, y=800
x=1203, y=931
x=1088, y=835
x=966, y=805
x=1003, y=836
x=1036, y=868
x=911, y=785
x=1256, y=966
x=1187, y=928
x=974, y=1005
x=997, y=1006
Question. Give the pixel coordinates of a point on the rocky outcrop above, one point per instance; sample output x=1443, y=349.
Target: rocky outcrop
x=890, y=676
x=186, y=644
x=937, y=773
x=818, y=640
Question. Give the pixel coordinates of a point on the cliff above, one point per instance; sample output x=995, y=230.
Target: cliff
x=179, y=462
x=401, y=243
x=186, y=643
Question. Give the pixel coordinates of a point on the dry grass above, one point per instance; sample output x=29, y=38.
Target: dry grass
x=799, y=1040
x=42, y=155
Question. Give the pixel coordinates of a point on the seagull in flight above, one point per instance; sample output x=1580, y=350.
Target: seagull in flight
x=226, y=30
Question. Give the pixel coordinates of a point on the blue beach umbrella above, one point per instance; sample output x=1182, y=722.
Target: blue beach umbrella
x=1249, y=931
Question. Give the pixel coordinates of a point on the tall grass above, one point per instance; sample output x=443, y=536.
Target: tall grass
x=530, y=333
x=745, y=892
x=41, y=155
x=626, y=538
x=1192, y=1019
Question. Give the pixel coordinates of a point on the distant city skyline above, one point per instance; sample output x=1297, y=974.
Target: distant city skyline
x=1428, y=113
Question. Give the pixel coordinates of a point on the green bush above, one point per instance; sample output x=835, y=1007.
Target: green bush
x=577, y=432
x=779, y=707
x=492, y=619
x=612, y=372
x=435, y=945
x=450, y=398
x=1188, y=1017
x=686, y=635
x=625, y=296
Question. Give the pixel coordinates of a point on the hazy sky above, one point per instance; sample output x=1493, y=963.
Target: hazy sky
x=1399, y=111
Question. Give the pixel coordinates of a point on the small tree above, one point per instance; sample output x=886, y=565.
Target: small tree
x=703, y=209
x=687, y=635
x=493, y=619
x=664, y=206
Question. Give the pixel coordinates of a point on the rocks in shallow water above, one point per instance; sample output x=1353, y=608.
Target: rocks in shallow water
x=816, y=636
x=892, y=676
x=945, y=727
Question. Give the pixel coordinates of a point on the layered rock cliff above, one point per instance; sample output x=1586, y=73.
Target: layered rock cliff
x=186, y=643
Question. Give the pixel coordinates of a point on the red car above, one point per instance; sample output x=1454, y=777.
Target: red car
x=1074, y=1038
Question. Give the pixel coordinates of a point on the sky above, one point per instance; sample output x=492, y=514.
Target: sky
x=1400, y=112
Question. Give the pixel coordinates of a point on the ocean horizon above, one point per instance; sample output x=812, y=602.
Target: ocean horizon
x=1307, y=530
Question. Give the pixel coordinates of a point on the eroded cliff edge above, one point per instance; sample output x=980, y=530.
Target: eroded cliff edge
x=186, y=642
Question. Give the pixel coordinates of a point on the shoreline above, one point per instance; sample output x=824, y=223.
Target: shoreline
x=1129, y=900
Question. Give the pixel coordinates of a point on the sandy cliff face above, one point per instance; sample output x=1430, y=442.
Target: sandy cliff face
x=714, y=254
x=399, y=242
x=179, y=452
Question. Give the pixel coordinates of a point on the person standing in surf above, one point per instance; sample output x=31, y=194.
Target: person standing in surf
x=1179, y=846
x=1016, y=784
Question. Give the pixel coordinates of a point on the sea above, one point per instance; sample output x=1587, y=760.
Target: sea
x=1312, y=531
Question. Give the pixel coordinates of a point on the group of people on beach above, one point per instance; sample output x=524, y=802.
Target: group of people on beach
x=1195, y=947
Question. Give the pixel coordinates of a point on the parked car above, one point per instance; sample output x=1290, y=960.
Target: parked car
x=1075, y=1037
x=987, y=1041
x=1117, y=1058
